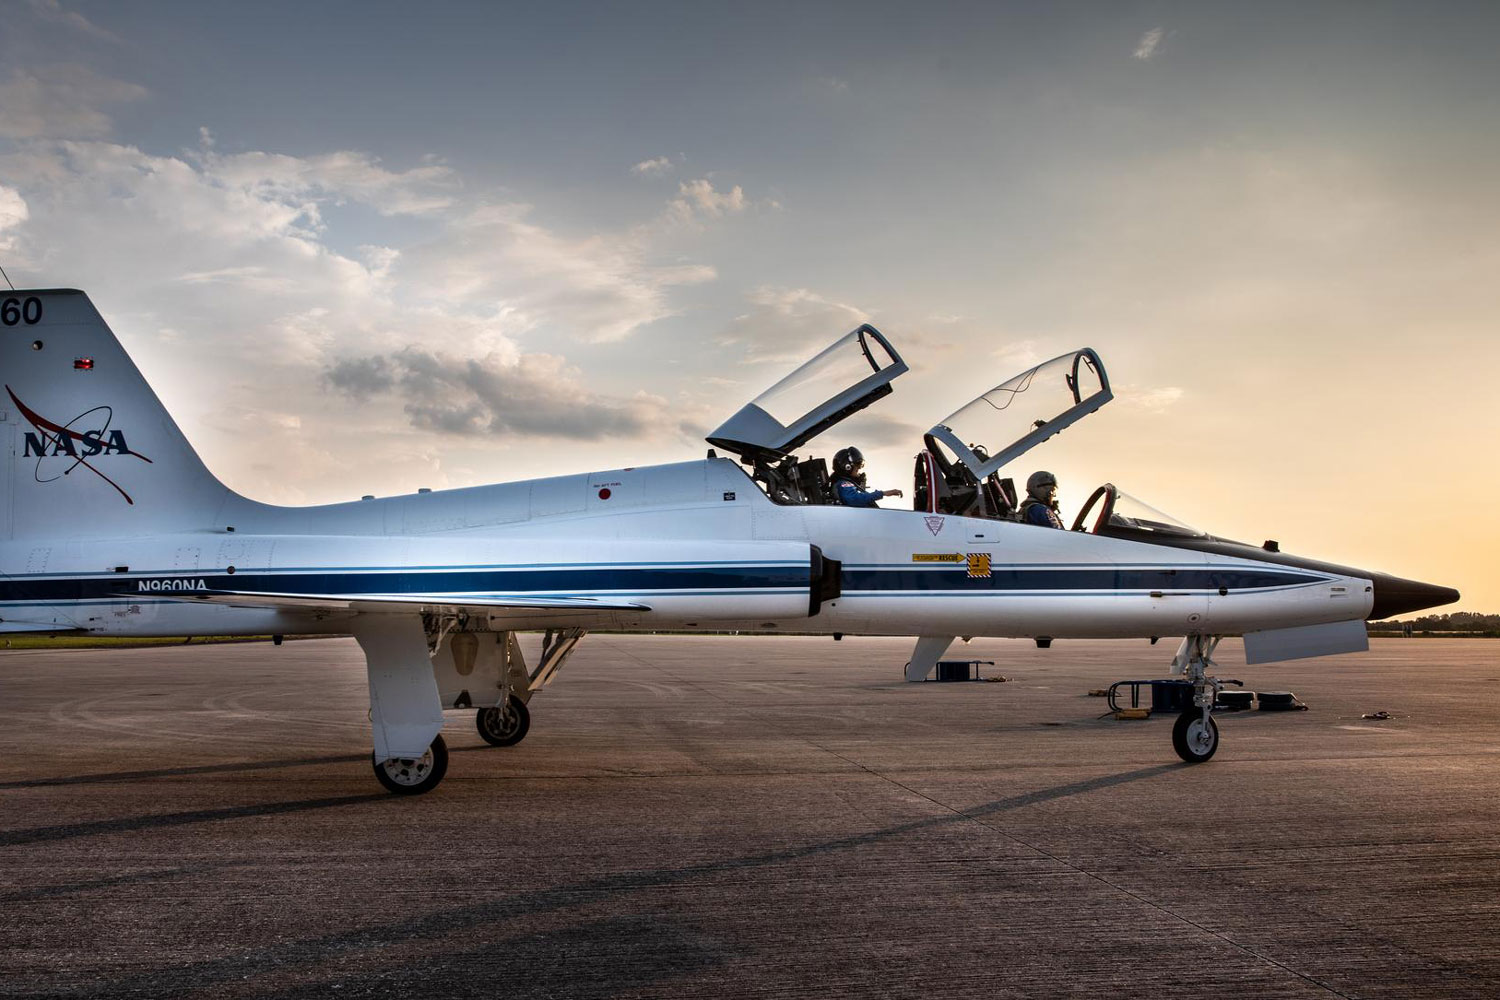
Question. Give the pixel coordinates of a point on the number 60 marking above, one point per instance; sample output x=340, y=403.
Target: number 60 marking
x=13, y=311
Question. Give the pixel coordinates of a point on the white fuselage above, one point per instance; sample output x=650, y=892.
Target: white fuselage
x=698, y=543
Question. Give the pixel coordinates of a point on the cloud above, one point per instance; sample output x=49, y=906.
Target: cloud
x=341, y=175
x=599, y=288
x=1020, y=355
x=52, y=11
x=1149, y=44
x=531, y=394
x=652, y=168
x=1157, y=400
x=871, y=430
x=699, y=199
x=60, y=102
x=789, y=324
x=13, y=212
x=233, y=264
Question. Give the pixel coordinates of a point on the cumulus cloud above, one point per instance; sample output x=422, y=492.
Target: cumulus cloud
x=789, y=324
x=1149, y=44
x=529, y=394
x=60, y=101
x=652, y=168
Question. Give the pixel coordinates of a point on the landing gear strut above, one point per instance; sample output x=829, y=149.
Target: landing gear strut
x=1195, y=736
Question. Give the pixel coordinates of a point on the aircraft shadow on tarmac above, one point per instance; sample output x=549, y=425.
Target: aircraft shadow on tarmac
x=435, y=926
x=106, y=777
x=126, y=824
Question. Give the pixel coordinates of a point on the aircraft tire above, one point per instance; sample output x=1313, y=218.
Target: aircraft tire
x=414, y=777
x=1193, y=741
x=504, y=728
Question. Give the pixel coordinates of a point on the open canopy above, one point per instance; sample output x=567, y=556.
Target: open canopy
x=845, y=377
x=1016, y=416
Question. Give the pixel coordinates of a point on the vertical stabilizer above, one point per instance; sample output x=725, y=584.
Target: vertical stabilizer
x=90, y=451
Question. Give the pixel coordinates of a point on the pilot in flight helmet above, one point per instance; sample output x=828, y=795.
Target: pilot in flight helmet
x=1040, y=484
x=846, y=460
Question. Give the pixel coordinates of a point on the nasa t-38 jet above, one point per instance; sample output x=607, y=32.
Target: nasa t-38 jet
x=111, y=525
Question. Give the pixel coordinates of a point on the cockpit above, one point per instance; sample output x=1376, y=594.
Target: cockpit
x=957, y=470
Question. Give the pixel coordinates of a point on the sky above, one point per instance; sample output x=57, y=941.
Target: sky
x=370, y=247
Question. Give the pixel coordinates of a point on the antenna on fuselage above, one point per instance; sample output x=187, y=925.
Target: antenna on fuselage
x=12, y=284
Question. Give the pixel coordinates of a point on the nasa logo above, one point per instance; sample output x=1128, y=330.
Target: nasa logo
x=53, y=443
x=42, y=446
x=147, y=586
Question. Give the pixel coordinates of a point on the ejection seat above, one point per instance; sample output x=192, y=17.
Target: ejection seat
x=945, y=487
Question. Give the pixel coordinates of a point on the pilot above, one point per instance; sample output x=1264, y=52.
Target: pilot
x=849, y=480
x=1040, y=505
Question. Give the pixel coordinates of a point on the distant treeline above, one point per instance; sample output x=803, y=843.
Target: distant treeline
x=1458, y=621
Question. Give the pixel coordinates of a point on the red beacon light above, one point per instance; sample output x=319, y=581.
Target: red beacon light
x=83, y=364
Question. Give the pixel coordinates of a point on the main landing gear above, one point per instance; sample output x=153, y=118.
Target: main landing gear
x=1195, y=736
x=504, y=726
x=421, y=666
x=413, y=776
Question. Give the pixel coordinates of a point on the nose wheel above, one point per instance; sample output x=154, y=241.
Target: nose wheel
x=1195, y=736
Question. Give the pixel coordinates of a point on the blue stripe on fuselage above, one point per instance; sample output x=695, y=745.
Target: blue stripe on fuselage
x=637, y=580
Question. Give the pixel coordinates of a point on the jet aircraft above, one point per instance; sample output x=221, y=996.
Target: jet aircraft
x=110, y=524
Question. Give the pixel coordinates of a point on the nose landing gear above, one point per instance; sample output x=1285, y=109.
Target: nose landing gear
x=1195, y=735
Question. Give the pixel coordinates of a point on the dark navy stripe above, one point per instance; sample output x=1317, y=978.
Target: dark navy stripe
x=499, y=582
x=1007, y=578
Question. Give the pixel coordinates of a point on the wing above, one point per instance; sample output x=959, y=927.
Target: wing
x=494, y=605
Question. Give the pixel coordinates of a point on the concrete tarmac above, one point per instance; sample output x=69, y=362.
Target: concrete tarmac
x=760, y=817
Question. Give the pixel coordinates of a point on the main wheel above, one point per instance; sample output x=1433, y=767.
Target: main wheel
x=413, y=776
x=1195, y=738
x=504, y=727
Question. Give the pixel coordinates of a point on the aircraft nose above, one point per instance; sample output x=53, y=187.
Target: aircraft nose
x=1395, y=596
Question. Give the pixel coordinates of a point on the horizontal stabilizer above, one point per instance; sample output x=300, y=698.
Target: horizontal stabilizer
x=9, y=626
x=406, y=603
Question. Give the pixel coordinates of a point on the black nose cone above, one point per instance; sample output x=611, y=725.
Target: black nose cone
x=1395, y=596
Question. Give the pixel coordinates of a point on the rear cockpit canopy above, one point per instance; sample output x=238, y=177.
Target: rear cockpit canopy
x=850, y=374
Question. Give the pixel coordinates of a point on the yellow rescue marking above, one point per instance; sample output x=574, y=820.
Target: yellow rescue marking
x=979, y=564
x=938, y=557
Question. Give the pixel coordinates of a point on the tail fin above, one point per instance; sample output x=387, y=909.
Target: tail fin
x=89, y=450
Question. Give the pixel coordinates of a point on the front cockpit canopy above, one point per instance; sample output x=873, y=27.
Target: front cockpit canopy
x=1110, y=510
x=1015, y=416
x=849, y=375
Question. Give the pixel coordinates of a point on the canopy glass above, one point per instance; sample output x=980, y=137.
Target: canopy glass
x=1016, y=416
